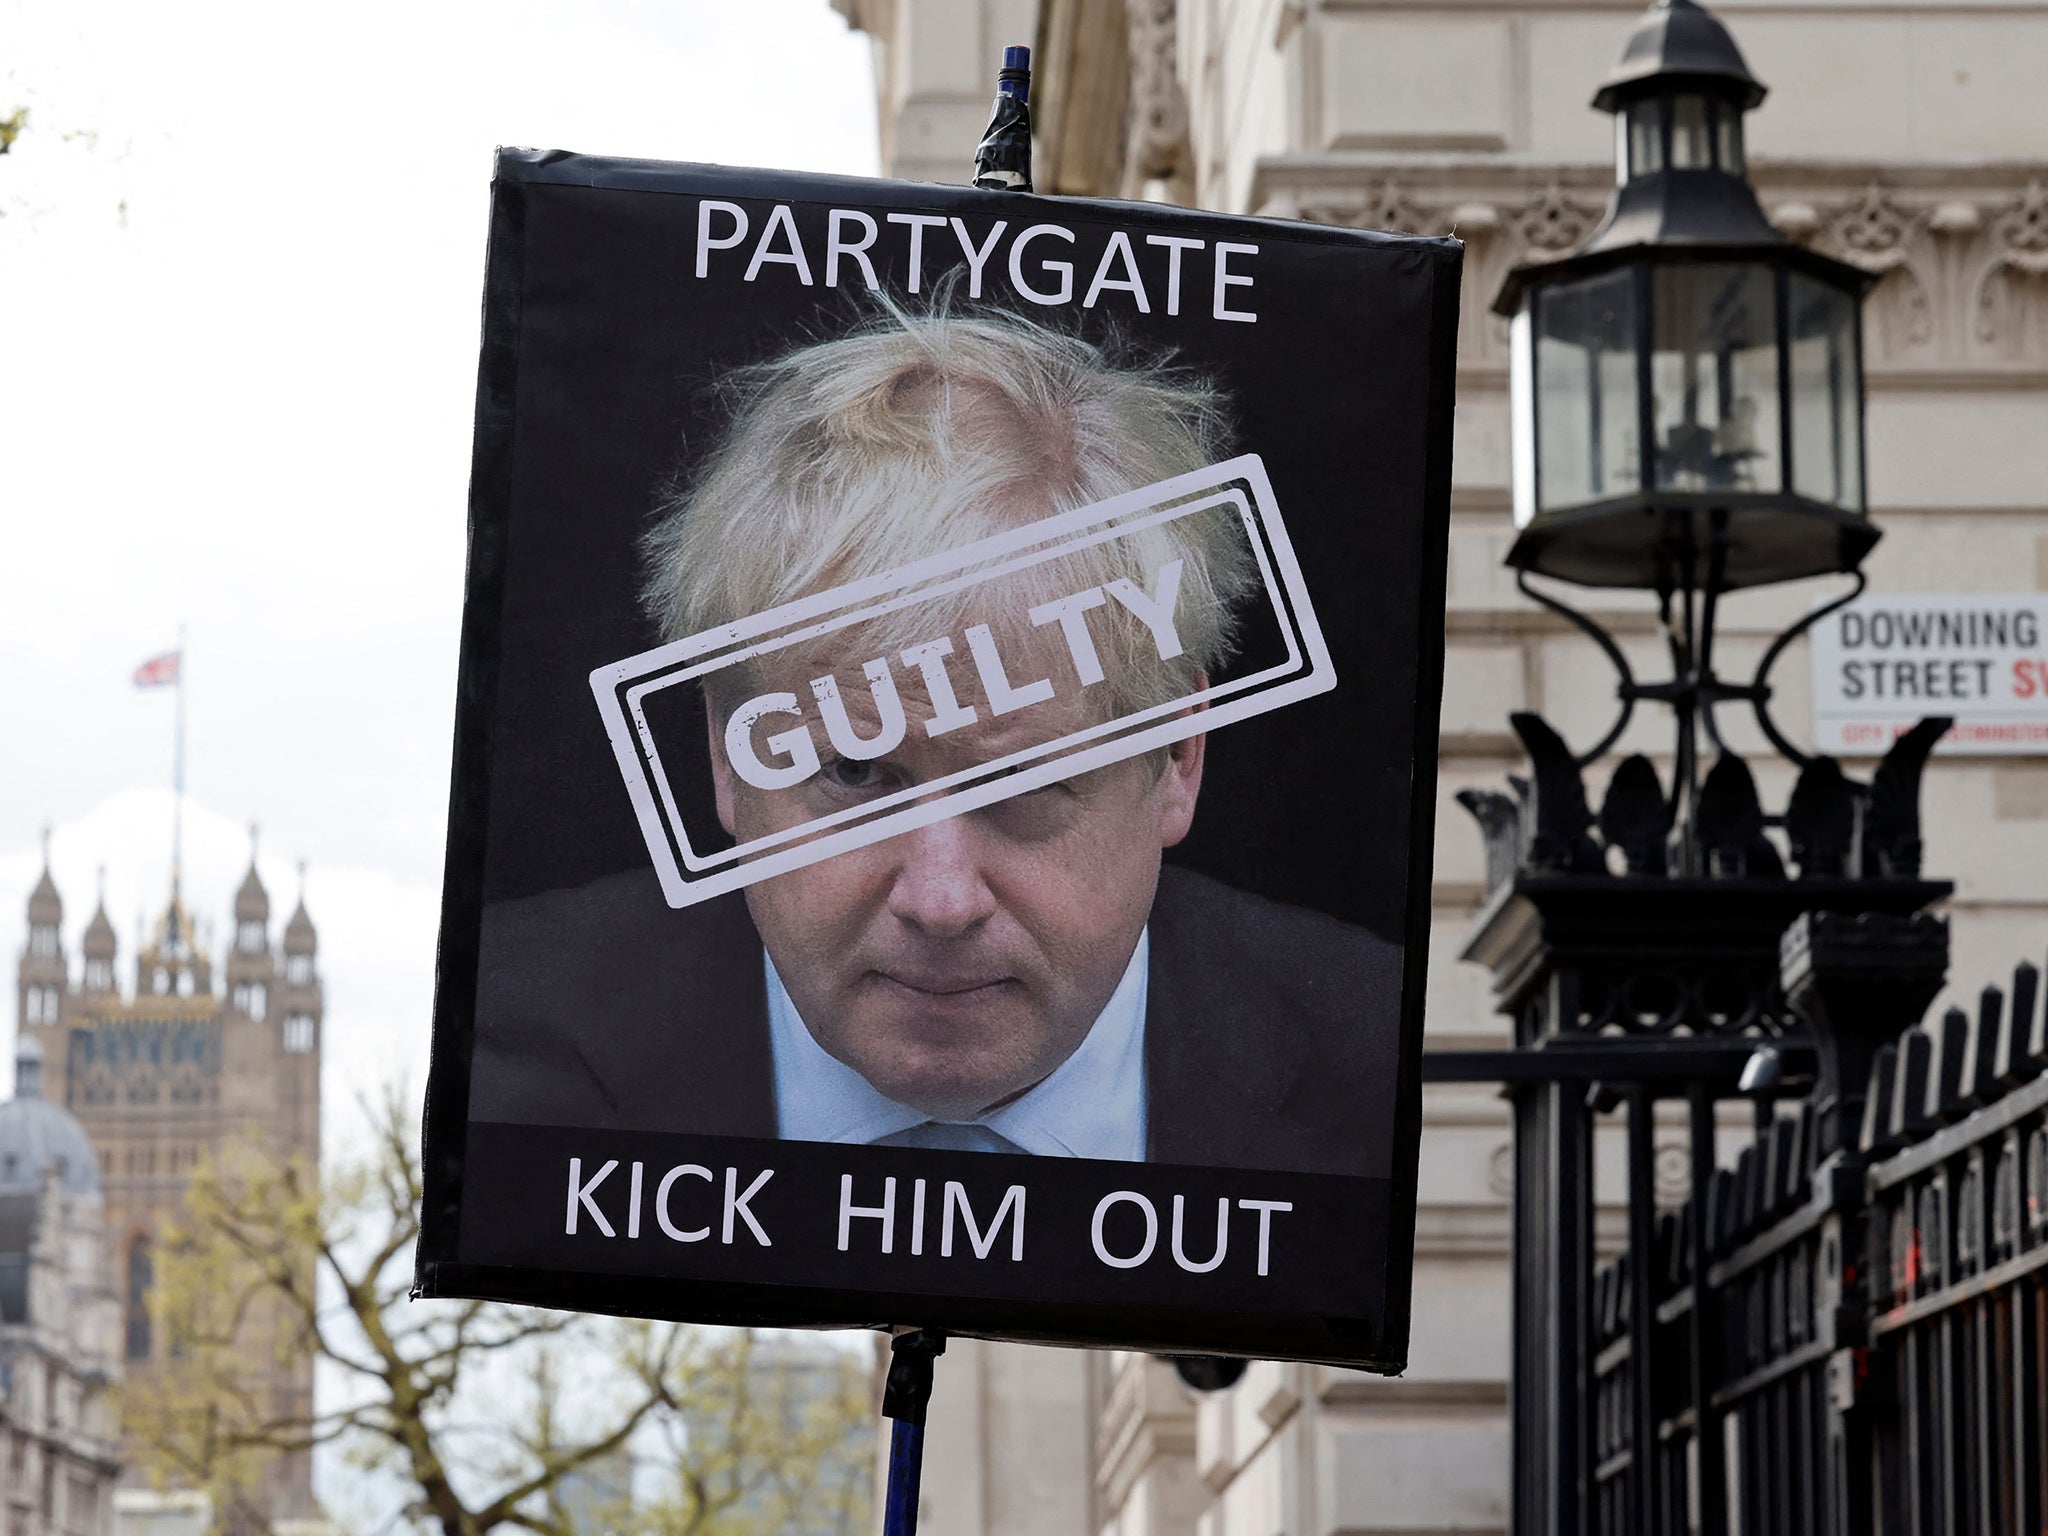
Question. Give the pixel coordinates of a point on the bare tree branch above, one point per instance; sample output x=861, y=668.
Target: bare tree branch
x=272, y=1261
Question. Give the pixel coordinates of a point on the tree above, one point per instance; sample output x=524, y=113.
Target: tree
x=489, y=1416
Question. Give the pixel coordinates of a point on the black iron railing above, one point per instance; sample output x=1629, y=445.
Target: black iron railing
x=1876, y=1315
x=1838, y=1324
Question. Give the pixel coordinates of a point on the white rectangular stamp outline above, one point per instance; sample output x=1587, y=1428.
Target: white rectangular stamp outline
x=636, y=695
x=636, y=677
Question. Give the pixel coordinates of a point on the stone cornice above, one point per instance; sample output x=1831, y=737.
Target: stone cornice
x=1476, y=169
x=1961, y=250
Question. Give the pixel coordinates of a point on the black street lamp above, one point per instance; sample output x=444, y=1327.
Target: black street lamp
x=1688, y=385
x=1687, y=413
x=1687, y=406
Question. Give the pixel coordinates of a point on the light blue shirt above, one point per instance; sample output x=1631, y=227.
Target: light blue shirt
x=1090, y=1105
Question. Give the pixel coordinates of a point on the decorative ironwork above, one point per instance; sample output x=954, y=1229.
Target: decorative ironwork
x=1881, y=1313
x=1835, y=828
x=1842, y=1327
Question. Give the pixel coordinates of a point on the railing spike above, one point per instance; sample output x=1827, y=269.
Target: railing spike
x=1820, y=820
x=1909, y=1097
x=1877, y=1108
x=2027, y=1055
x=1558, y=840
x=1796, y=1167
x=1730, y=824
x=1721, y=1212
x=1679, y=1266
x=1987, y=1045
x=1636, y=817
x=1945, y=1077
x=1746, y=1167
x=1771, y=1150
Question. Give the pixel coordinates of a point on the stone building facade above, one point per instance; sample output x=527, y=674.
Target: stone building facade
x=169, y=1070
x=1907, y=136
x=60, y=1321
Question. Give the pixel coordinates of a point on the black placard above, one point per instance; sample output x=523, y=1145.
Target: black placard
x=1161, y=497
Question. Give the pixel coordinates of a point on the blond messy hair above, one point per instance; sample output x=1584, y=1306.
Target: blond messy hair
x=920, y=433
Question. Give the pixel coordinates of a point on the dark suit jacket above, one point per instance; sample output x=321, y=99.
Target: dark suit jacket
x=1271, y=1032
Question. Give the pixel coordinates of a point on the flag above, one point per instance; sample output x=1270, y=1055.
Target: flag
x=159, y=671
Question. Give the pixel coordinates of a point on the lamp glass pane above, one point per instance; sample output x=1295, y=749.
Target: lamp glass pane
x=1827, y=394
x=1728, y=138
x=1522, y=414
x=1692, y=139
x=1645, y=137
x=1586, y=435
x=1714, y=377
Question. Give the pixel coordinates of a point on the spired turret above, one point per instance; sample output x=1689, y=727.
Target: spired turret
x=252, y=906
x=251, y=968
x=301, y=995
x=45, y=906
x=300, y=941
x=99, y=945
x=43, y=979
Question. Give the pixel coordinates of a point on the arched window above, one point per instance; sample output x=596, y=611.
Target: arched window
x=141, y=1274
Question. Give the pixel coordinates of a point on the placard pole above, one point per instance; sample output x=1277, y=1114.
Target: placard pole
x=904, y=1396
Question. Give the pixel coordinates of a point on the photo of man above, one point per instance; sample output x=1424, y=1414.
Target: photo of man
x=1029, y=976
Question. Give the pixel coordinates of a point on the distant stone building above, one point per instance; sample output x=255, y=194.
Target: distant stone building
x=60, y=1321
x=170, y=1071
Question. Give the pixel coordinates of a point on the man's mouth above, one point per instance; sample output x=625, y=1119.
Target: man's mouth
x=929, y=986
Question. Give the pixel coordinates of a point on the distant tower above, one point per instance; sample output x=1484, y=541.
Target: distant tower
x=100, y=947
x=251, y=969
x=43, y=979
x=300, y=1009
x=176, y=1072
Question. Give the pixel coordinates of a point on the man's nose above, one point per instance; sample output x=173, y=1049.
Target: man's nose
x=939, y=886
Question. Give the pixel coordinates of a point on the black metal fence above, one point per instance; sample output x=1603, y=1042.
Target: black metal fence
x=1839, y=1324
x=1875, y=1318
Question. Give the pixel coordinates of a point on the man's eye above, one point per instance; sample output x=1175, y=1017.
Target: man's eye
x=852, y=773
x=849, y=778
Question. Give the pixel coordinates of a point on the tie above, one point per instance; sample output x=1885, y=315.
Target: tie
x=945, y=1137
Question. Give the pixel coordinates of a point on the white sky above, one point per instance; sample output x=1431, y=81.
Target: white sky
x=241, y=261
x=241, y=258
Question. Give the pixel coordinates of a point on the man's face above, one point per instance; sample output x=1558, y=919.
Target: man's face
x=955, y=965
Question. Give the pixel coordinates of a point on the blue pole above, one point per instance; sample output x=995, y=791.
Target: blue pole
x=904, y=1397
x=906, y=1467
